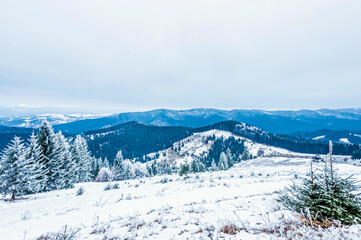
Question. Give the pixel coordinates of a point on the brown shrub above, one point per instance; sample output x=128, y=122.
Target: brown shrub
x=230, y=229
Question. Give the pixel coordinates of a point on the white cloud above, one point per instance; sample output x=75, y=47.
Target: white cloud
x=179, y=54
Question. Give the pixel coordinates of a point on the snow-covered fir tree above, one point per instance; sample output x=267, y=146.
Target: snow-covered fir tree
x=140, y=170
x=166, y=168
x=67, y=165
x=46, y=163
x=213, y=165
x=47, y=143
x=197, y=166
x=155, y=168
x=104, y=175
x=230, y=158
x=81, y=156
x=14, y=173
x=106, y=163
x=149, y=169
x=37, y=171
x=245, y=154
x=56, y=178
x=128, y=170
x=223, y=162
x=161, y=168
x=118, y=166
x=97, y=164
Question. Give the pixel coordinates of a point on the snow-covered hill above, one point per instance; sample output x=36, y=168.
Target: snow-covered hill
x=34, y=121
x=199, y=206
x=197, y=144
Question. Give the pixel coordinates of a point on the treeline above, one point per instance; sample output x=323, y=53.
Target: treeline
x=233, y=146
x=133, y=139
x=46, y=161
x=224, y=153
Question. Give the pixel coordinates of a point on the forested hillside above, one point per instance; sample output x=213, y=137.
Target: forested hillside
x=137, y=139
x=292, y=143
x=8, y=133
x=133, y=139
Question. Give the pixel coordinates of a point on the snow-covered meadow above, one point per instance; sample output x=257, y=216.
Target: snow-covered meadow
x=241, y=201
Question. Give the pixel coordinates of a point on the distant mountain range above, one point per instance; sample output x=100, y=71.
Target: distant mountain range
x=34, y=121
x=137, y=139
x=343, y=125
x=282, y=122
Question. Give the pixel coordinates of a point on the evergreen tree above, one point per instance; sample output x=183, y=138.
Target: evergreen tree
x=140, y=170
x=166, y=168
x=64, y=164
x=35, y=162
x=96, y=166
x=56, y=177
x=325, y=196
x=149, y=169
x=245, y=154
x=127, y=171
x=230, y=158
x=214, y=165
x=81, y=156
x=194, y=166
x=104, y=175
x=106, y=163
x=118, y=166
x=197, y=166
x=47, y=143
x=155, y=170
x=223, y=162
x=14, y=173
x=201, y=166
x=356, y=154
x=184, y=169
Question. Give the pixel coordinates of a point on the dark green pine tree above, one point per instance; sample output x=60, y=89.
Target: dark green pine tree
x=184, y=169
x=118, y=166
x=47, y=143
x=194, y=166
x=35, y=162
x=64, y=164
x=14, y=173
x=325, y=196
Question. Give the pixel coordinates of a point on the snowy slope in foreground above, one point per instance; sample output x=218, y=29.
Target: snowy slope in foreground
x=196, y=145
x=174, y=207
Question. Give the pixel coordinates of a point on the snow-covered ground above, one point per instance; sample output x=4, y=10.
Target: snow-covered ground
x=198, y=206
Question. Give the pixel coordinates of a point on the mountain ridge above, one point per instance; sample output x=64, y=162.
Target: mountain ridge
x=278, y=121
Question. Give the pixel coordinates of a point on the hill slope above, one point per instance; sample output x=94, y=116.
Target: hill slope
x=199, y=145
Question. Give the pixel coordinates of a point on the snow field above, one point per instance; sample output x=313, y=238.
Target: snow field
x=196, y=206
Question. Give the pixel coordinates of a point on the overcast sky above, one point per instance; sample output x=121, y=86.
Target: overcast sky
x=138, y=55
